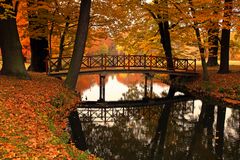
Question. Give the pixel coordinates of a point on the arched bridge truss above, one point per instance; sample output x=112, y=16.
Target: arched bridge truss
x=98, y=64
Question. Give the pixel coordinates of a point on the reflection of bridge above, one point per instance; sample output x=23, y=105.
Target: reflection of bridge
x=123, y=64
x=112, y=110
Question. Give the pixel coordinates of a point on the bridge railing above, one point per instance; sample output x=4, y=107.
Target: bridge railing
x=126, y=62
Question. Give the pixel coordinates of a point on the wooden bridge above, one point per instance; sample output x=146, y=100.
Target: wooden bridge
x=98, y=64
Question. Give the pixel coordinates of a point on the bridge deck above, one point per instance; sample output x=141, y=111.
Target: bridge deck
x=123, y=64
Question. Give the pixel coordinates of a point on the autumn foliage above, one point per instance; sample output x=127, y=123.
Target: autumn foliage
x=33, y=119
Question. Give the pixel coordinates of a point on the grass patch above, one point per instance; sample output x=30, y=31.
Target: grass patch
x=208, y=86
x=58, y=101
x=82, y=156
x=4, y=139
x=62, y=139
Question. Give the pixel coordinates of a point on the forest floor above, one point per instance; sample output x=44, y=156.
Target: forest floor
x=33, y=119
x=223, y=87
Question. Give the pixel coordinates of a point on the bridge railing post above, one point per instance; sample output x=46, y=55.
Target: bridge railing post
x=145, y=60
x=150, y=61
x=101, y=57
x=195, y=65
x=128, y=61
x=174, y=63
x=90, y=62
x=105, y=61
x=124, y=61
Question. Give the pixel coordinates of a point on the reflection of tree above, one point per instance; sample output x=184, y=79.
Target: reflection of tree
x=86, y=81
x=179, y=130
x=186, y=138
x=209, y=124
x=232, y=141
x=134, y=92
x=77, y=133
x=220, y=132
x=157, y=143
x=197, y=149
x=116, y=142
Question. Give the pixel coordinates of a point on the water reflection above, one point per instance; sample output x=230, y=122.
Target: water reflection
x=116, y=85
x=183, y=130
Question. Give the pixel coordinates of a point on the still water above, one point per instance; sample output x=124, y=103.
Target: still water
x=191, y=129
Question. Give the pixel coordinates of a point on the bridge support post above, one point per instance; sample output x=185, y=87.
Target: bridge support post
x=102, y=88
x=151, y=87
x=146, y=86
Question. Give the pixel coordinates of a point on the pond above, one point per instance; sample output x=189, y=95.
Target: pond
x=188, y=129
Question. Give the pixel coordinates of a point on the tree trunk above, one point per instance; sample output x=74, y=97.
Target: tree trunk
x=166, y=42
x=202, y=51
x=163, y=28
x=61, y=47
x=213, y=48
x=213, y=33
x=39, y=41
x=224, y=55
x=39, y=53
x=13, y=60
x=200, y=46
x=225, y=39
x=79, y=46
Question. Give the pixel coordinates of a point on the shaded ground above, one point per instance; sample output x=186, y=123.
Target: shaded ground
x=33, y=117
x=224, y=87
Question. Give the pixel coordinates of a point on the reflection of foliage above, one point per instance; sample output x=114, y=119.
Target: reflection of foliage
x=135, y=93
x=116, y=142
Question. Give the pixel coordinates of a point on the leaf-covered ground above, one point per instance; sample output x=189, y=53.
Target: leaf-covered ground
x=33, y=118
x=224, y=87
